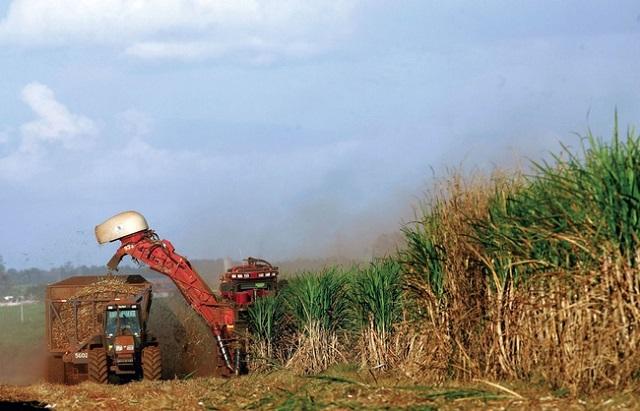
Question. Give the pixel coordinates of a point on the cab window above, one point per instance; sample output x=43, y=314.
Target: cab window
x=125, y=320
x=260, y=285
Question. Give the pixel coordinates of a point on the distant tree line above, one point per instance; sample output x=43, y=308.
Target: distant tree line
x=32, y=281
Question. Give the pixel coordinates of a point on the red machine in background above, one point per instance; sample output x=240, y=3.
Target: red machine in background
x=244, y=284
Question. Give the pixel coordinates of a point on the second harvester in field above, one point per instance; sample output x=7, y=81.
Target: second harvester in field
x=242, y=285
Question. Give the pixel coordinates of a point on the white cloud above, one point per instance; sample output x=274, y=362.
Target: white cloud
x=180, y=28
x=174, y=49
x=54, y=125
x=257, y=50
x=61, y=145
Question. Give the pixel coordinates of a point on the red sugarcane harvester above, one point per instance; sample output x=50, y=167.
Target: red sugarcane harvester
x=243, y=284
x=240, y=285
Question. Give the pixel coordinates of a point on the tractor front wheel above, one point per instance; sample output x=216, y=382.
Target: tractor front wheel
x=151, y=363
x=98, y=367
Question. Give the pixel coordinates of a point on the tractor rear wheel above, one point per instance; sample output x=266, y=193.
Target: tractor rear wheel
x=98, y=367
x=151, y=363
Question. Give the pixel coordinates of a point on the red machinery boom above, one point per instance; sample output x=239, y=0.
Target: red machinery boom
x=160, y=256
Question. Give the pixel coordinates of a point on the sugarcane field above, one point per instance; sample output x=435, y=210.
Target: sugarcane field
x=319, y=205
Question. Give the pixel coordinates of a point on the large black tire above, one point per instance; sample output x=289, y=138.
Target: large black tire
x=151, y=363
x=98, y=367
x=55, y=370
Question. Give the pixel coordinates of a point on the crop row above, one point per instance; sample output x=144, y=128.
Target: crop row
x=511, y=276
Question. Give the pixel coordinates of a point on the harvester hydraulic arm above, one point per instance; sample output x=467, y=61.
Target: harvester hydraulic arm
x=160, y=256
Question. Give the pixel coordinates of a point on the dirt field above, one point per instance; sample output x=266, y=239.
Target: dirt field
x=284, y=391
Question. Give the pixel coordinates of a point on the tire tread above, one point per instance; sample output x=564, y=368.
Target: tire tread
x=98, y=368
x=151, y=363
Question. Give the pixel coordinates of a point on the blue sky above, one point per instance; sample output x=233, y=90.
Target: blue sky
x=283, y=129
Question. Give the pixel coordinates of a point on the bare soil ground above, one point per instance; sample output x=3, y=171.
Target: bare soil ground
x=283, y=390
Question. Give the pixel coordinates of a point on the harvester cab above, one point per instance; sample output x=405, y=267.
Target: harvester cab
x=244, y=284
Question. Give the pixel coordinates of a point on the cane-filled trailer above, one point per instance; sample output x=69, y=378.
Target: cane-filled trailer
x=97, y=329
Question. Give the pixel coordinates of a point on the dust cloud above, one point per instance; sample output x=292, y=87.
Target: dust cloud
x=186, y=344
x=22, y=346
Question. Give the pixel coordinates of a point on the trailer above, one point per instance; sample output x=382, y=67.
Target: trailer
x=96, y=329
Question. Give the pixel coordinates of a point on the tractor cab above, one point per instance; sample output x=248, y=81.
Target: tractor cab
x=123, y=333
x=244, y=284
